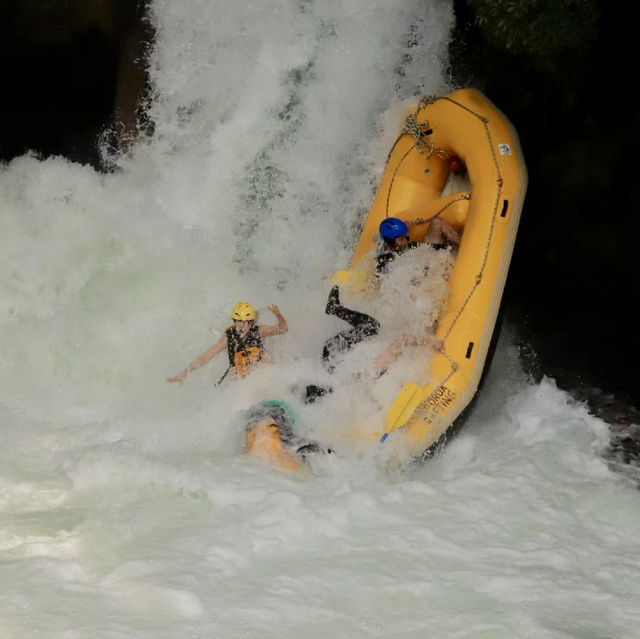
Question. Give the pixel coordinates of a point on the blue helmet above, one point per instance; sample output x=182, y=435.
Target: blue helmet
x=392, y=227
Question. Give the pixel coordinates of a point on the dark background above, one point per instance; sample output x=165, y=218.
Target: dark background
x=563, y=79
x=561, y=70
x=68, y=67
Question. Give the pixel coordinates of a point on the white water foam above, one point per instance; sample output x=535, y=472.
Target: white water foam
x=126, y=505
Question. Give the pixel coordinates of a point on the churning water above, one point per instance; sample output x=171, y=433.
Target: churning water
x=127, y=508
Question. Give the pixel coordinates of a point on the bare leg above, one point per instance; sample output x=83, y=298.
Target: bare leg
x=441, y=232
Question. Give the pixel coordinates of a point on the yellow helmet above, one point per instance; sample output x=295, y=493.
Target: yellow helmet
x=243, y=311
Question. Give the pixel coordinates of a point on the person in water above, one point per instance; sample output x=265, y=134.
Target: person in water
x=395, y=235
x=243, y=341
x=270, y=435
x=364, y=326
x=396, y=241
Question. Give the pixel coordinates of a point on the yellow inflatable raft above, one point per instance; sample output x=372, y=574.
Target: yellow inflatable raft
x=465, y=125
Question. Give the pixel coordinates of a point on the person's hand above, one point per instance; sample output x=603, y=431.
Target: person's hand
x=274, y=309
x=177, y=378
x=438, y=346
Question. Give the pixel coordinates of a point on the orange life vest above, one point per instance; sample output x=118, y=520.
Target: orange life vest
x=244, y=351
x=265, y=443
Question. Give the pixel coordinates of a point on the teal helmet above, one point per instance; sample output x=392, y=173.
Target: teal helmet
x=286, y=410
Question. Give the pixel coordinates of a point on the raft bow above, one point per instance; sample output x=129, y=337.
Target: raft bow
x=440, y=135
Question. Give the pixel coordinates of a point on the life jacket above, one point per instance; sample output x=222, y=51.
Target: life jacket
x=270, y=436
x=265, y=442
x=244, y=352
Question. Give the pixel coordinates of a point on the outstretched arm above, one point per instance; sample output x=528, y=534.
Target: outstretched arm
x=280, y=328
x=393, y=351
x=199, y=361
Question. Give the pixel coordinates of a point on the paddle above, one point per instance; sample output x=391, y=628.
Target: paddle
x=341, y=277
x=358, y=280
x=404, y=405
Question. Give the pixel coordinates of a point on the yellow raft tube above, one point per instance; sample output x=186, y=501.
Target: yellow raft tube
x=467, y=125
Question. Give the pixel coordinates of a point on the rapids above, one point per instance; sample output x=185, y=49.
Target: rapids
x=126, y=505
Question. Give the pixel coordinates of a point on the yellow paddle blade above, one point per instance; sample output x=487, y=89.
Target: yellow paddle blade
x=404, y=405
x=356, y=279
x=341, y=277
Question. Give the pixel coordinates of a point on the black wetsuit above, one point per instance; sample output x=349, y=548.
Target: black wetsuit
x=362, y=326
x=384, y=259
